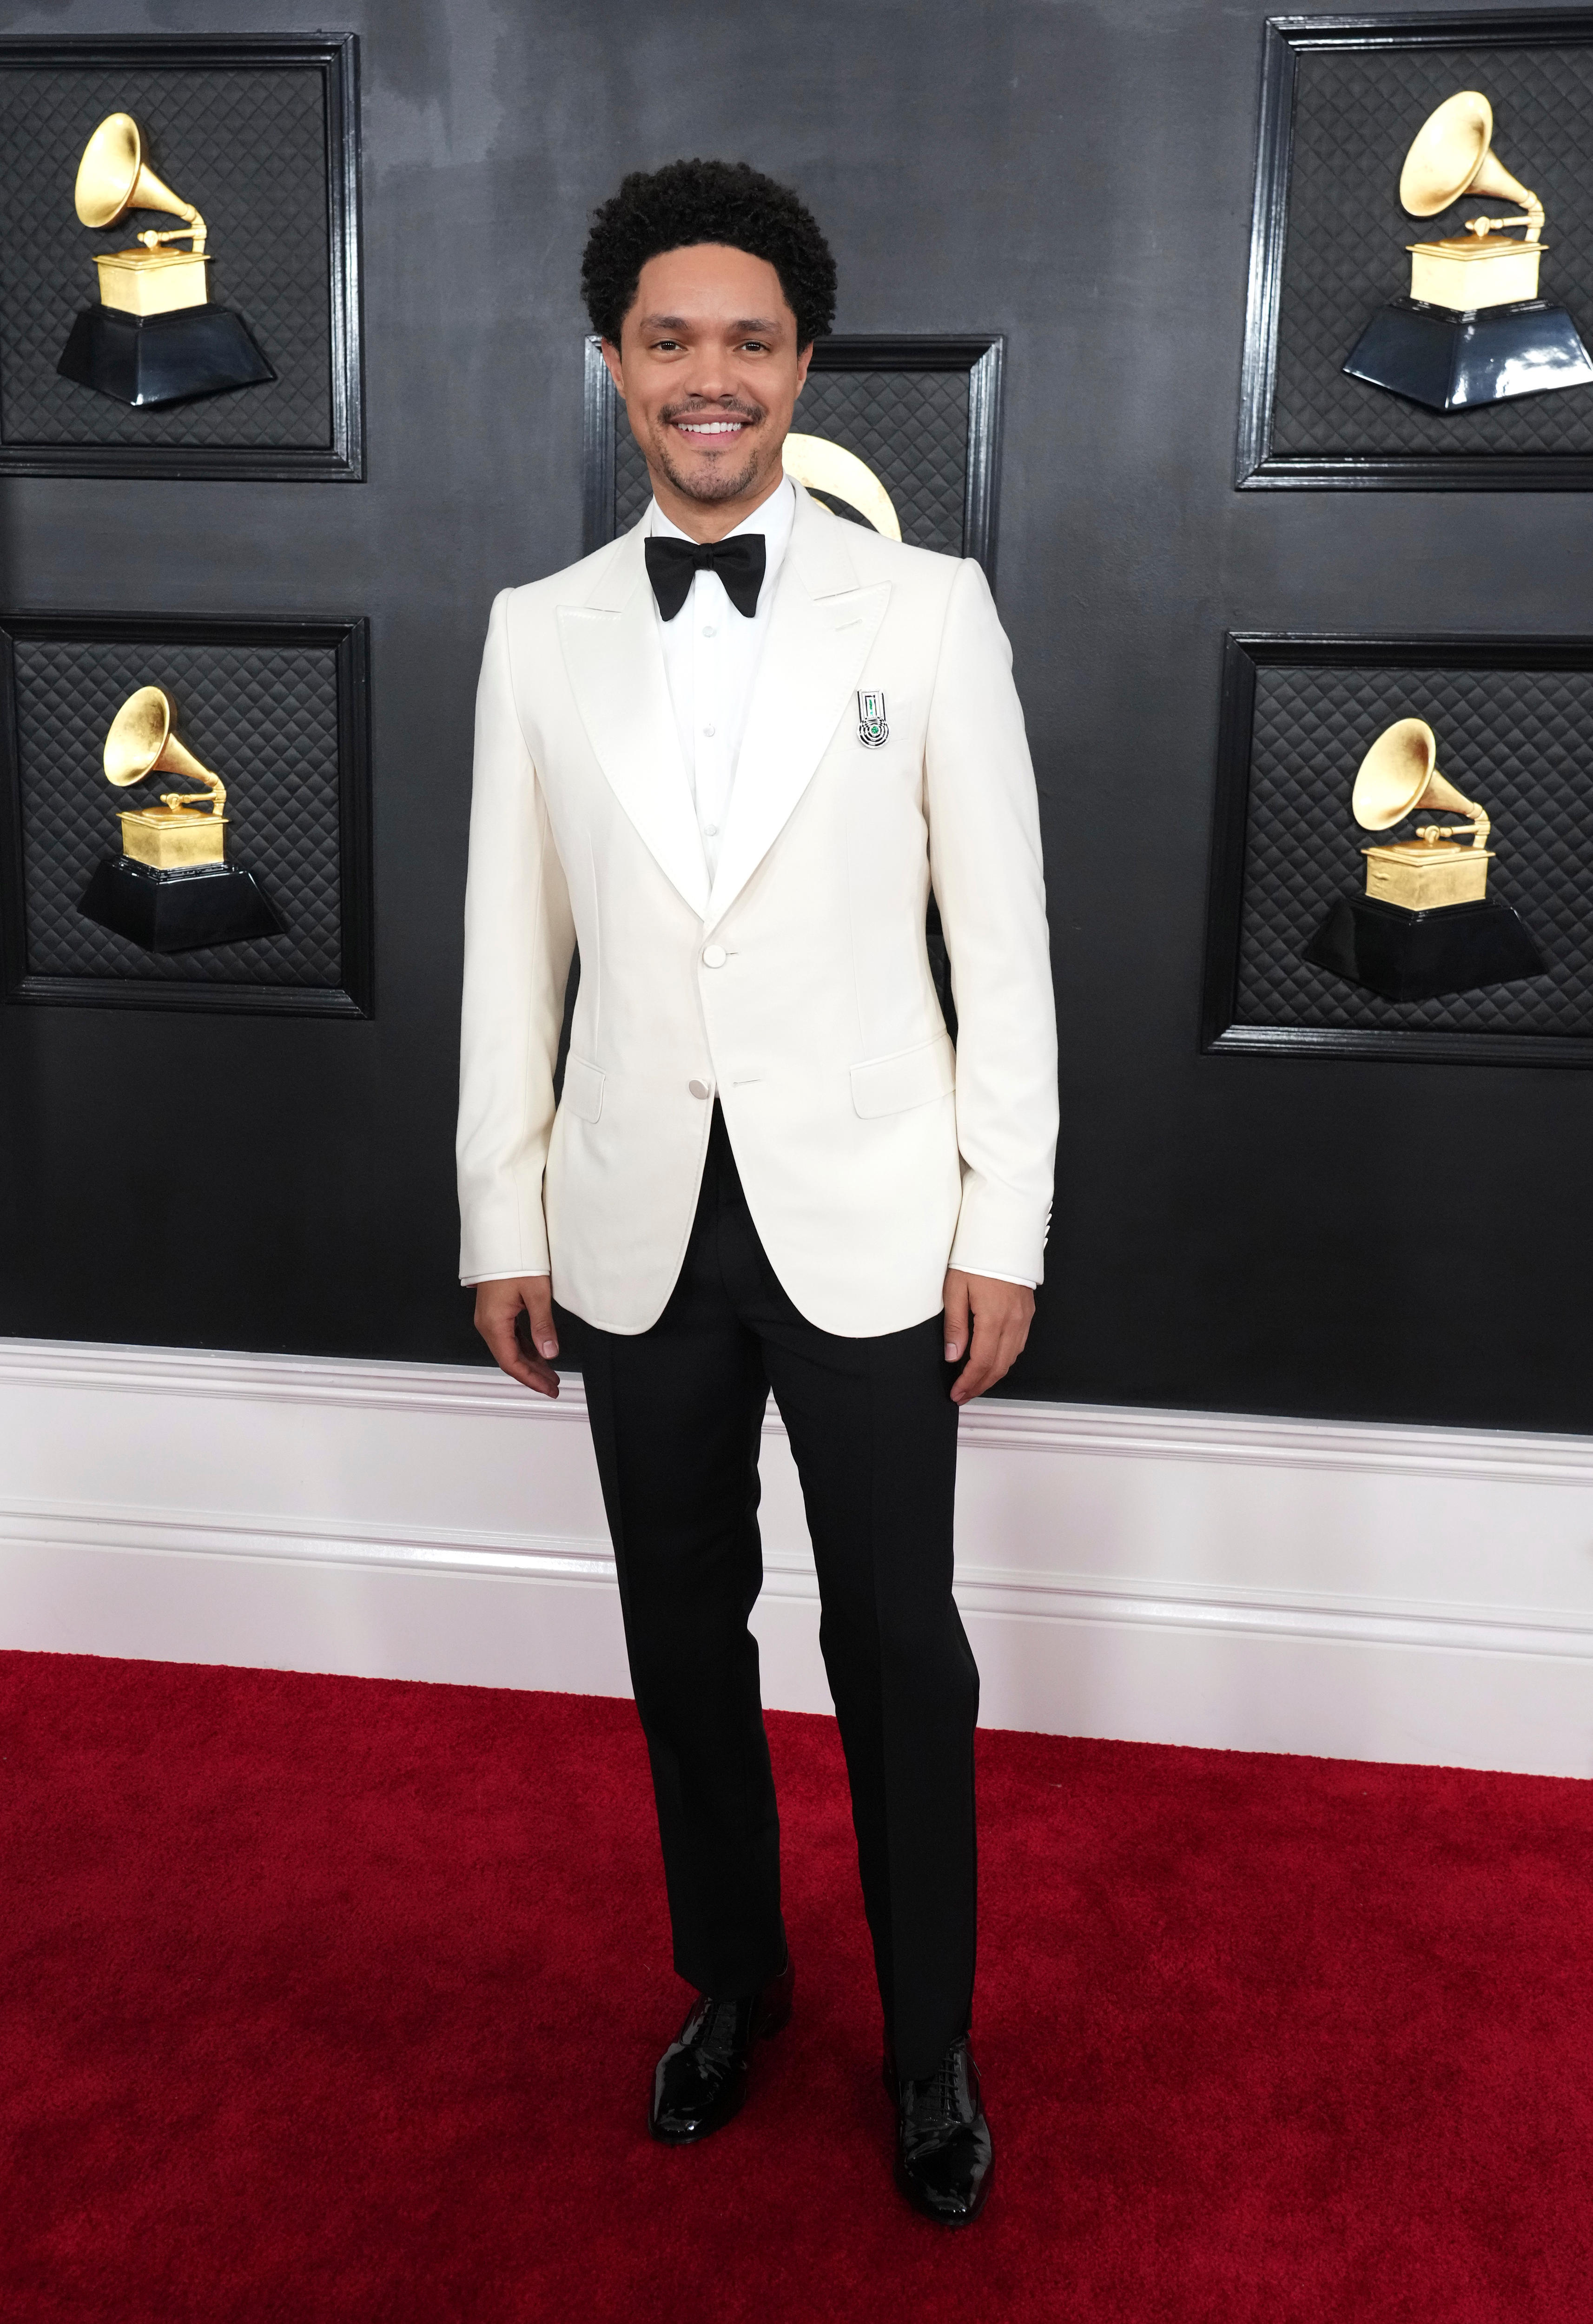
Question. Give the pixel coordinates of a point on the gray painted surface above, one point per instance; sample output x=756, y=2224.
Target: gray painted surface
x=1235, y=1232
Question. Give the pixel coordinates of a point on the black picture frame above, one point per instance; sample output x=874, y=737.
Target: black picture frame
x=335, y=57
x=1245, y=655
x=348, y=637
x=979, y=355
x=1257, y=467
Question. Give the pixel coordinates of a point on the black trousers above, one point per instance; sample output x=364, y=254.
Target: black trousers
x=676, y=1418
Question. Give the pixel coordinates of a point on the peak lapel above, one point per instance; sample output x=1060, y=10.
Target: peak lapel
x=820, y=631
x=616, y=671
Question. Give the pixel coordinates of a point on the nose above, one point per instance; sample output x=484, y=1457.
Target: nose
x=711, y=378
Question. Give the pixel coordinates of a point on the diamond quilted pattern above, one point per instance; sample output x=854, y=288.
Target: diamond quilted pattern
x=264, y=717
x=249, y=147
x=631, y=488
x=911, y=426
x=1521, y=741
x=1354, y=114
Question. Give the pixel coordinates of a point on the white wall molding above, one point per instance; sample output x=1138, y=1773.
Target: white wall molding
x=1416, y=1593
x=1147, y=1432
x=184, y=1532
x=980, y=1589
x=350, y=1382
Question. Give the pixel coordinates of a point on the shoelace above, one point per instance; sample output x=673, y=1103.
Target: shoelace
x=936, y=2101
x=718, y=2032
x=946, y=2083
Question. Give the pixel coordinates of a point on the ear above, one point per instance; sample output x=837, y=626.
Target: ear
x=802, y=360
x=610, y=356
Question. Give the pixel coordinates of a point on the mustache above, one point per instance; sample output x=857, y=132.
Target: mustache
x=725, y=408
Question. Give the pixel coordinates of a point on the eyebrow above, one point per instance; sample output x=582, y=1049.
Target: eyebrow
x=682, y=323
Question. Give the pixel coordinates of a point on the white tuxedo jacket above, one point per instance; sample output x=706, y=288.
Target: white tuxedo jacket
x=795, y=987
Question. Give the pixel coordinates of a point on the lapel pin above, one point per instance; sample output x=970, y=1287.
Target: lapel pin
x=871, y=728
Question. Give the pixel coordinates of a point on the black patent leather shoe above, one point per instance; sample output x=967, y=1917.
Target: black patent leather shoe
x=944, y=2157
x=701, y=2080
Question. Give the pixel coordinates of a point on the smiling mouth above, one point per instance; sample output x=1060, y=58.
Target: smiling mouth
x=711, y=431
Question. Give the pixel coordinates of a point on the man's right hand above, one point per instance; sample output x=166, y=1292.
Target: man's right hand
x=524, y=1350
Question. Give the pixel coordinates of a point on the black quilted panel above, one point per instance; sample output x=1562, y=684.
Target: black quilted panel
x=265, y=717
x=632, y=490
x=911, y=426
x=1520, y=741
x=1355, y=116
x=249, y=149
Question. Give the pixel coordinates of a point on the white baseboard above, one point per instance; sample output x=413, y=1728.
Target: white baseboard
x=1364, y=1592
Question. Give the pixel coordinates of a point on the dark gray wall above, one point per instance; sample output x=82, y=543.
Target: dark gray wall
x=1229, y=1231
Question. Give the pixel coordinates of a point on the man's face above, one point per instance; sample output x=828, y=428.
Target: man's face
x=710, y=371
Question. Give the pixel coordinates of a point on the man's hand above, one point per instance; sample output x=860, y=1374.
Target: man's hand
x=518, y=1347
x=999, y=1313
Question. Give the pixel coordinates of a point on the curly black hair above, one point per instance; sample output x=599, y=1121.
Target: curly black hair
x=688, y=202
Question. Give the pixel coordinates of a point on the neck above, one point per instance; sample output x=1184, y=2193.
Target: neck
x=706, y=521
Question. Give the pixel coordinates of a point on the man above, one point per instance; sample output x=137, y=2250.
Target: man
x=728, y=755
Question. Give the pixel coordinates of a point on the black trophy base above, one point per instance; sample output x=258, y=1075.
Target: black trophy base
x=1453, y=362
x=177, y=911
x=147, y=360
x=1418, y=956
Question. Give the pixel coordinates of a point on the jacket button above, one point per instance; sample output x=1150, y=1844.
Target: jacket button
x=714, y=956
x=698, y=1089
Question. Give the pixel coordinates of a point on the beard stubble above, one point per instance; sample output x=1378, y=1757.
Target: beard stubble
x=717, y=484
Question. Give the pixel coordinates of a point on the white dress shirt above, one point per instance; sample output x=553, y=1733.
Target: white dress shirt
x=711, y=657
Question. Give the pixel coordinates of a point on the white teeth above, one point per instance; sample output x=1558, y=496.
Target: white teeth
x=711, y=426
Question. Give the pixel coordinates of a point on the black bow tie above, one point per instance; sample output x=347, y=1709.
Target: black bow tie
x=738, y=561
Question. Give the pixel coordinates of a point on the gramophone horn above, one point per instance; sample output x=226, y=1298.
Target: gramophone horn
x=1399, y=774
x=1451, y=154
x=141, y=742
x=113, y=177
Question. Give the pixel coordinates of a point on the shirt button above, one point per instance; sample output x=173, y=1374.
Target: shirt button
x=714, y=956
x=710, y=831
x=698, y=1089
x=710, y=631
x=710, y=731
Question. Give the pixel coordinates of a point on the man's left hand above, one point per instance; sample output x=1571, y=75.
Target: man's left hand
x=987, y=1320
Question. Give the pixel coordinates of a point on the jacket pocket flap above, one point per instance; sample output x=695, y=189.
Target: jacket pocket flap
x=582, y=1088
x=912, y=1077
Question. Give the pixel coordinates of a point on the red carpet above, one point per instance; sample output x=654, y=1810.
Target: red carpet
x=332, y=1999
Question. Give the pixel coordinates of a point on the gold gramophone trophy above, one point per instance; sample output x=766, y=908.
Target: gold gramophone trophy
x=154, y=336
x=170, y=888
x=1426, y=924
x=1474, y=329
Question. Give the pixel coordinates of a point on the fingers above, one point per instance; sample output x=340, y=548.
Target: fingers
x=991, y=1358
x=1001, y=1316
x=954, y=1314
x=503, y=1311
x=536, y=1291
x=984, y=1368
